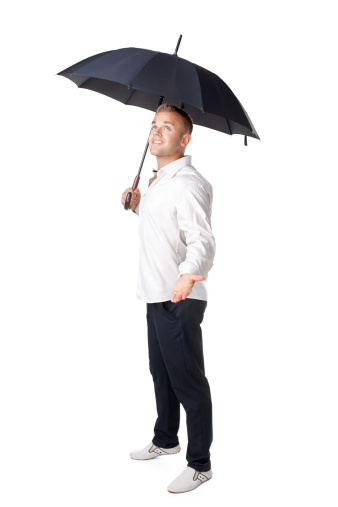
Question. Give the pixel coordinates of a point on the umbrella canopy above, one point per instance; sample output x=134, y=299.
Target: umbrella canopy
x=145, y=78
x=138, y=77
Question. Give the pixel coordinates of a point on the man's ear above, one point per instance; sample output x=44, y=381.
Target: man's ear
x=185, y=140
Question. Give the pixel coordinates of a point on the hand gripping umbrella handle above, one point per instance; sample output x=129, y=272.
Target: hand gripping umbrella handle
x=129, y=195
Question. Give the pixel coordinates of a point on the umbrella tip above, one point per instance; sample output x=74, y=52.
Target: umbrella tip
x=178, y=45
x=245, y=141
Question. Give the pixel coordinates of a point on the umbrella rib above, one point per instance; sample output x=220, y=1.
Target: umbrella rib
x=228, y=125
x=141, y=70
x=85, y=81
x=130, y=96
x=199, y=84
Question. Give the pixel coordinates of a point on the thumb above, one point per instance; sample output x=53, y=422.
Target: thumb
x=198, y=278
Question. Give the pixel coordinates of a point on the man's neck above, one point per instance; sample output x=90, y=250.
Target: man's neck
x=162, y=161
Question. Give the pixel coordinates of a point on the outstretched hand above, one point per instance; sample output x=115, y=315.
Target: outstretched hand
x=183, y=286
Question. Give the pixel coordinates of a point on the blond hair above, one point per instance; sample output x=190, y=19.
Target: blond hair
x=187, y=120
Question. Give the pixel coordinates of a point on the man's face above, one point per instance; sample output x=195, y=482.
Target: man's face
x=166, y=137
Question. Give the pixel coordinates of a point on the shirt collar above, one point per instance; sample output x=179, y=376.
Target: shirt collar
x=172, y=168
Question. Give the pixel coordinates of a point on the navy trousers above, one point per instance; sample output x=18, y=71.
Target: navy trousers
x=176, y=364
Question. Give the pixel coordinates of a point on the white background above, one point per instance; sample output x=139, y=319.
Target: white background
x=76, y=392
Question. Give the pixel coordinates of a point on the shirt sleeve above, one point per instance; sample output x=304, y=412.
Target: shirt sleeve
x=194, y=207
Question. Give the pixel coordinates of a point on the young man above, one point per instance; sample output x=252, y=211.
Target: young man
x=177, y=249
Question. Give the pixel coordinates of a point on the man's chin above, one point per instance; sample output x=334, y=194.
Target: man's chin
x=157, y=152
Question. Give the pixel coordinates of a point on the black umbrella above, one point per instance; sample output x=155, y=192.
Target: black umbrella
x=144, y=78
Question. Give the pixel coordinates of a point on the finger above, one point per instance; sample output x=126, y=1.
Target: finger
x=198, y=278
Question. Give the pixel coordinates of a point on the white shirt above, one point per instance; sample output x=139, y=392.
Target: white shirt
x=175, y=235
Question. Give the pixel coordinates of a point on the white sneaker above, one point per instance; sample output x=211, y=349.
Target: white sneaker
x=189, y=479
x=152, y=451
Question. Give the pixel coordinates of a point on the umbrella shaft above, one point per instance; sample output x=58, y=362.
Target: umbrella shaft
x=146, y=148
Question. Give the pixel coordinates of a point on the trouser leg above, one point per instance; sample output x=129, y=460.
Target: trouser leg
x=179, y=333
x=168, y=407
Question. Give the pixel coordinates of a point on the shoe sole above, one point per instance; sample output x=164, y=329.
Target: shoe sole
x=157, y=456
x=187, y=490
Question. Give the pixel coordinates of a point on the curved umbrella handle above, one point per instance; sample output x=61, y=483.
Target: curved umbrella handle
x=129, y=195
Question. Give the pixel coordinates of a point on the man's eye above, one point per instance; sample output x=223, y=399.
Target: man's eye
x=168, y=128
